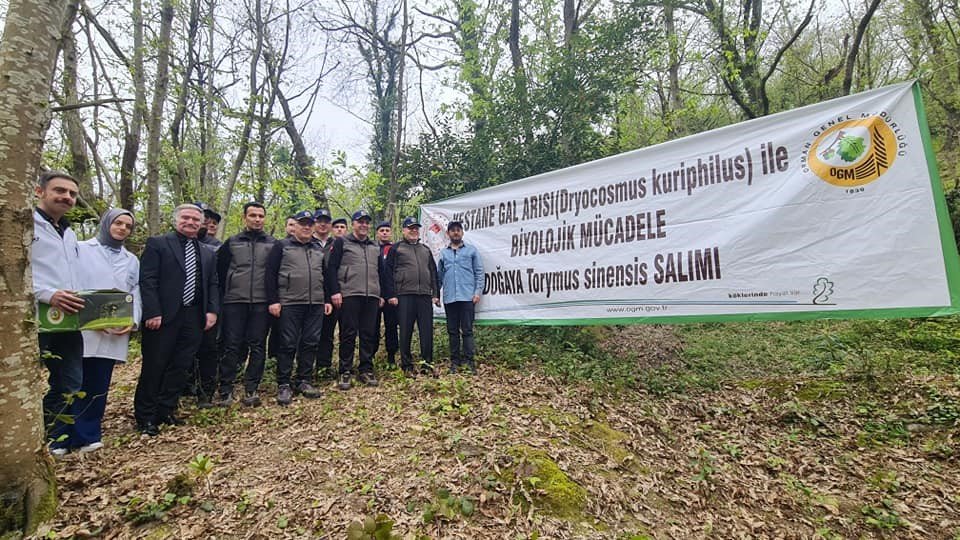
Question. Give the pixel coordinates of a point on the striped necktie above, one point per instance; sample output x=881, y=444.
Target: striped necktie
x=190, y=266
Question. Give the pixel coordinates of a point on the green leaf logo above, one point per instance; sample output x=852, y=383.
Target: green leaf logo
x=851, y=148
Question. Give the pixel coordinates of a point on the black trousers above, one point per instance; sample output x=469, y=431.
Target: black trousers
x=273, y=342
x=415, y=308
x=325, y=347
x=243, y=331
x=300, y=326
x=208, y=362
x=460, y=323
x=62, y=353
x=391, y=334
x=358, y=318
x=168, y=353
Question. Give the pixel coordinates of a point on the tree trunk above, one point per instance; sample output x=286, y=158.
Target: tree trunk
x=179, y=176
x=28, y=49
x=131, y=141
x=244, y=142
x=156, y=116
x=855, y=48
x=393, y=188
x=79, y=165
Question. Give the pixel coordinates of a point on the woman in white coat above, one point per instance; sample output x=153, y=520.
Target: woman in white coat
x=104, y=264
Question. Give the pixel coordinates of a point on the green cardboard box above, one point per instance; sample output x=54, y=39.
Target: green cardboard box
x=101, y=309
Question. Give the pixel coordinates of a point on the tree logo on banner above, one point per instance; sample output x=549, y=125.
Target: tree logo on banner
x=853, y=152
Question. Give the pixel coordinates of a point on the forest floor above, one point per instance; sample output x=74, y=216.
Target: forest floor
x=760, y=430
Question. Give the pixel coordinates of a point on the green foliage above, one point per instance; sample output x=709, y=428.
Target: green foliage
x=372, y=528
x=139, y=511
x=882, y=517
x=446, y=507
x=201, y=466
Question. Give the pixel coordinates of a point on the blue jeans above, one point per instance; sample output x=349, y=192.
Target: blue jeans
x=62, y=353
x=90, y=408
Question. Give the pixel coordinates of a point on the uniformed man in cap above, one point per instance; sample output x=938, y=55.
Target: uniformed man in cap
x=297, y=295
x=411, y=274
x=324, y=364
x=355, y=287
x=339, y=226
x=388, y=313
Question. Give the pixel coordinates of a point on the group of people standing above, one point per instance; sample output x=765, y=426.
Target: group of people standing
x=206, y=309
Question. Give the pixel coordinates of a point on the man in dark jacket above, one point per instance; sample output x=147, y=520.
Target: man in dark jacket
x=354, y=275
x=324, y=238
x=297, y=293
x=411, y=274
x=388, y=313
x=242, y=269
x=181, y=299
x=202, y=377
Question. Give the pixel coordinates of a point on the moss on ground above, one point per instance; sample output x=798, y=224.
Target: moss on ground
x=553, y=491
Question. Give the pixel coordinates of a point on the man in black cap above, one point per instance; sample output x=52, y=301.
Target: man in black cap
x=411, y=275
x=339, y=226
x=297, y=295
x=324, y=363
x=203, y=375
x=388, y=313
x=355, y=287
x=207, y=235
x=242, y=269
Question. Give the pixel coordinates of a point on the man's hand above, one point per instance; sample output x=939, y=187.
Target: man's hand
x=393, y=301
x=436, y=302
x=327, y=309
x=337, y=300
x=211, y=321
x=274, y=309
x=153, y=323
x=119, y=331
x=380, y=303
x=66, y=301
x=476, y=298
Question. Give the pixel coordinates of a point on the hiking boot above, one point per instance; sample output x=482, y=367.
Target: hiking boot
x=307, y=390
x=251, y=399
x=369, y=379
x=284, y=395
x=225, y=400
x=409, y=372
x=344, y=383
x=454, y=367
x=471, y=366
x=203, y=402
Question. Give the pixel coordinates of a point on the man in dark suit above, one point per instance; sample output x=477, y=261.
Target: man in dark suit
x=181, y=299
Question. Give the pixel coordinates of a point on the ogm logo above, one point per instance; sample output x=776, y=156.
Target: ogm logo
x=854, y=152
x=54, y=316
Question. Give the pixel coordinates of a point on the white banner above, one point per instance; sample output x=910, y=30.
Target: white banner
x=831, y=210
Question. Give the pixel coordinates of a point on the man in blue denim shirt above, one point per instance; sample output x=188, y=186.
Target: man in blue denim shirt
x=460, y=273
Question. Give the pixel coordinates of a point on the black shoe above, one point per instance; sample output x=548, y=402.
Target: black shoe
x=409, y=372
x=344, y=383
x=225, y=400
x=454, y=367
x=148, y=428
x=472, y=366
x=203, y=402
x=284, y=395
x=307, y=390
x=369, y=379
x=251, y=399
x=171, y=420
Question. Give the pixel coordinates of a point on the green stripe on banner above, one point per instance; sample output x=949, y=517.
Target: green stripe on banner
x=947, y=240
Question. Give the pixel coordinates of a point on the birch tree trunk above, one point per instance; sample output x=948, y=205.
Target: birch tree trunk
x=27, y=57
